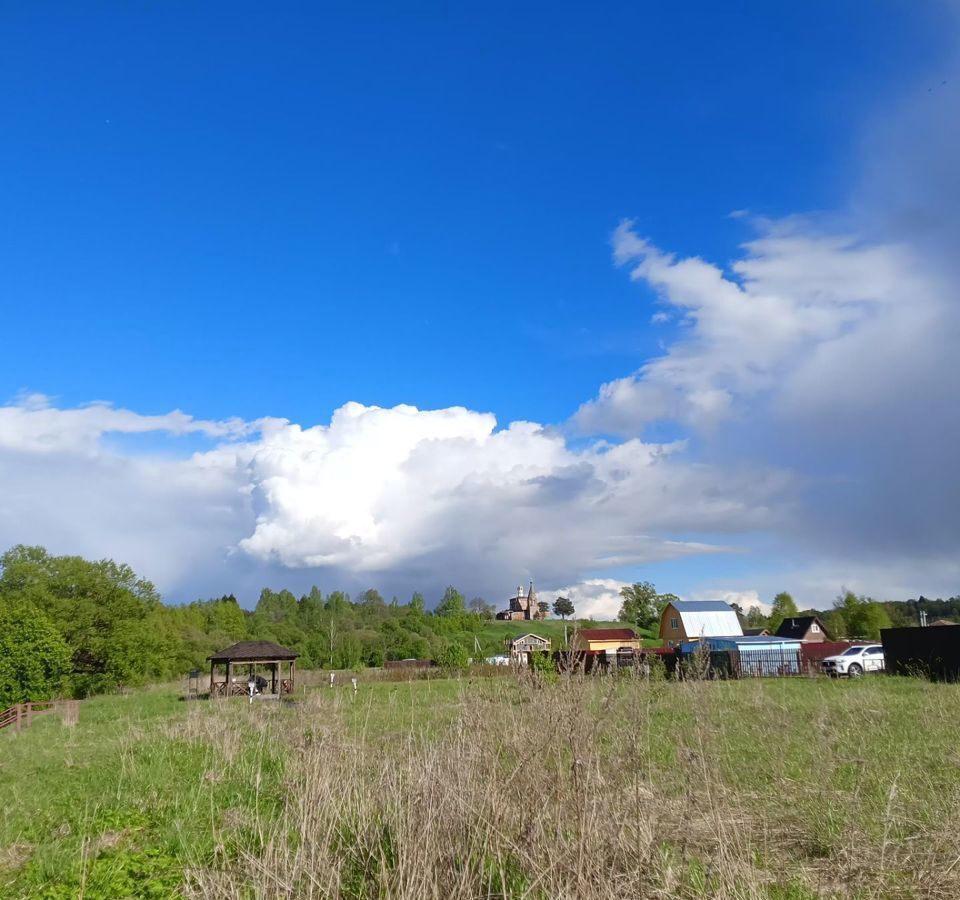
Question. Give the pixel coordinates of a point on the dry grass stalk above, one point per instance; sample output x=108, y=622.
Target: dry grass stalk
x=560, y=790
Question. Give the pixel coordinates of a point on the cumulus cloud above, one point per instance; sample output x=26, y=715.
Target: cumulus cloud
x=594, y=598
x=382, y=489
x=794, y=303
x=401, y=497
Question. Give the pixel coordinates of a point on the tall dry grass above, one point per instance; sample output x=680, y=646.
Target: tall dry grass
x=579, y=788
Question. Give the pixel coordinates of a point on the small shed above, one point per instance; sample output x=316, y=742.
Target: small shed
x=252, y=659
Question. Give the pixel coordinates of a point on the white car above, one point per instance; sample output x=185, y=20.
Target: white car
x=854, y=661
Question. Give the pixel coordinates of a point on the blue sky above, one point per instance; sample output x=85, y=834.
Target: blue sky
x=243, y=211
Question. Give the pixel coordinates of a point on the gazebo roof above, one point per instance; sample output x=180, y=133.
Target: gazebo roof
x=244, y=651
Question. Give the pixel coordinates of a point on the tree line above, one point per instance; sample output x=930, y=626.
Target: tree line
x=69, y=625
x=77, y=627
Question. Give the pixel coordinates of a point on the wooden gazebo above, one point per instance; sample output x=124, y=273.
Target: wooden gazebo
x=248, y=657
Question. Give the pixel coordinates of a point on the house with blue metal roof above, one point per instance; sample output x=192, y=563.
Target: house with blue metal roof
x=755, y=655
x=692, y=620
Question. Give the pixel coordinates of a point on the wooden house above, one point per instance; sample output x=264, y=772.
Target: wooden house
x=690, y=620
x=521, y=647
x=605, y=640
x=809, y=629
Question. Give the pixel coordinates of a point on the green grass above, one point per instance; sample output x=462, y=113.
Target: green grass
x=812, y=787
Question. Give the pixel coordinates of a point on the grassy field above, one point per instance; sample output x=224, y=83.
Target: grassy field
x=494, y=787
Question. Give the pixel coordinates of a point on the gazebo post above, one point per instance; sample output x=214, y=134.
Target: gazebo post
x=293, y=664
x=212, y=665
x=273, y=677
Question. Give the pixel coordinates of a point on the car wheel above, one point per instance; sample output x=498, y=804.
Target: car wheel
x=855, y=670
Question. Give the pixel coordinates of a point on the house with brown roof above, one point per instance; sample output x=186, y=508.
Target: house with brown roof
x=605, y=640
x=809, y=629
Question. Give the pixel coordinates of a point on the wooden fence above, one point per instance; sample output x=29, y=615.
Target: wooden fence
x=813, y=652
x=21, y=715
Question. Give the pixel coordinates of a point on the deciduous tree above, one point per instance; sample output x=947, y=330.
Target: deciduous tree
x=783, y=608
x=642, y=604
x=563, y=607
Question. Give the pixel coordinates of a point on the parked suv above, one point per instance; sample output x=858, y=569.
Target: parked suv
x=854, y=661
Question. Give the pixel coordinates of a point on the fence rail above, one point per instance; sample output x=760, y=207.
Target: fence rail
x=21, y=715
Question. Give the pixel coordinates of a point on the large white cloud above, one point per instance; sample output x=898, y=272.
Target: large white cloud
x=379, y=489
x=796, y=306
x=592, y=598
x=400, y=498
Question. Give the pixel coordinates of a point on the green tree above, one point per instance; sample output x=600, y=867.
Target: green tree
x=33, y=656
x=372, y=599
x=452, y=603
x=755, y=618
x=563, y=607
x=642, y=605
x=310, y=610
x=783, y=608
x=859, y=618
x=111, y=620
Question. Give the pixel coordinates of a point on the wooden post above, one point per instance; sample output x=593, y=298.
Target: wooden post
x=229, y=686
x=293, y=664
x=273, y=676
x=212, y=666
x=19, y=715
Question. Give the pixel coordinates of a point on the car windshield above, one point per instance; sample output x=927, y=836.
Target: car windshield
x=853, y=651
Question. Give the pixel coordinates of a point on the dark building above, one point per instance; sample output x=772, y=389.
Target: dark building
x=931, y=652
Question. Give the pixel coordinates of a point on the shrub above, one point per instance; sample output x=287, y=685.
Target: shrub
x=453, y=656
x=33, y=656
